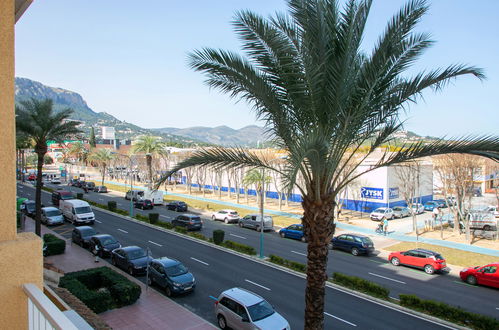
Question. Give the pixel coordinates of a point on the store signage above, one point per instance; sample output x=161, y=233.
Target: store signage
x=371, y=193
x=393, y=193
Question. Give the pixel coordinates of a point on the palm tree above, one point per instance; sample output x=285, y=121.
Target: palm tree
x=37, y=120
x=79, y=151
x=322, y=98
x=151, y=146
x=259, y=179
x=101, y=157
x=23, y=142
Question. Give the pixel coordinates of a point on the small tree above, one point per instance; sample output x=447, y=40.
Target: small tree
x=91, y=140
x=102, y=157
x=409, y=175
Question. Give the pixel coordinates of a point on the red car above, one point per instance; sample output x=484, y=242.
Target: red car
x=427, y=260
x=483, y=275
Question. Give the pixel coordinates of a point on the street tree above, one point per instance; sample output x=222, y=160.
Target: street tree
x=151, y=146
x=102, y=158
x=409, y=177
x=321, y=94
x=259, y=180
x=91, y=140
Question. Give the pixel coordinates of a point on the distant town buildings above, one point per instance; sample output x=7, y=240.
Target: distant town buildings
x=108, y=133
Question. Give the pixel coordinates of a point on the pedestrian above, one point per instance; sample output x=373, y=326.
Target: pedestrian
x=436, y=213
x=385, y=226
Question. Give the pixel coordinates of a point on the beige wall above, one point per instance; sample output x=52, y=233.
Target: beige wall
x=21, y=260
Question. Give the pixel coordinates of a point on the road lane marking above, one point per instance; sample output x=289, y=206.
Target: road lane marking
x=302, y=254
x=155, y=243
x=497, y=308
x=342, y=320
x=261, y=286
x=387, y=278
x=101, y=199
x=98, y=221
x=237, y=236
x=397, y=299
x=123, y=231
x=204, y=263
x=164, y=216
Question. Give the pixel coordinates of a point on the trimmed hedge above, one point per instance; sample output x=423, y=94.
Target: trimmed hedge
x=101, y=288
x=54, y=244
x=450, y=313
x=197, y=235
x=359, y=284
x=243, y=248
x=288, y=263
x=166, y=225
x=111, y=206
x=79, y=195
x=153, y=218
x=218, y=236
x=181, y=230
x=141, y=217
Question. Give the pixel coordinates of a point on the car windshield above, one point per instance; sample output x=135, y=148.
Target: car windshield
x=380, y=210
x=108, y=241
x=195, y=219
x=397, y=208
x=136, y=254
x=233, y=213
x=30, y=206
x=439, y=257
x=66, y=196
x=52, y=213
x=260, y=311
x=367, y=240
x=176, y=270
x=83, y=209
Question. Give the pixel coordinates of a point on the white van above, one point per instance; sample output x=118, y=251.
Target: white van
x=77, y=211
x=155, y=196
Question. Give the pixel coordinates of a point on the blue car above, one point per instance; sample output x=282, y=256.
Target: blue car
x=293, y=231
x=353, y=243
x=171, y=275
x=429, y=206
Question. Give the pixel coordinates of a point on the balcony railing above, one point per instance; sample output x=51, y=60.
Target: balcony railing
x=42, y=313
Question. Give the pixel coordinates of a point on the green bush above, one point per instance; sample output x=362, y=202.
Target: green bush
x=166, y=225
x=111, y=206
x=153, y=218
x=359, y=284
x=101, y=288
x=181, y=230
x=122, y=212
x=450, y=313
x=54, y=245
x=197, y=235
x=141, y=217
x=79, y=195
x=288, y=263
x=243, y=248
x=218, y=236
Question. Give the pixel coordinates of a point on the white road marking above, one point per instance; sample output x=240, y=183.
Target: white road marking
x=164, y=216
x=101, y=199
x=123, y=231
x=497, y=308
x=204, y=263
x=387, y=278
x=261, y=286
x=342, y=320
x=237, y=236
x=395, y=298
x=155, y=243
x=302, y=254
x=98, y=221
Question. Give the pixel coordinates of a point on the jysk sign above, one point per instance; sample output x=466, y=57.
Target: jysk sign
x=371, y=193
x=393, y=193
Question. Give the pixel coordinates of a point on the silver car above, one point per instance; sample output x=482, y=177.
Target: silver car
x=254, y=221
x=401, y=211
x=52, y=216
x=238, y=308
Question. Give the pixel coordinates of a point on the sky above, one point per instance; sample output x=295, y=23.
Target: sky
x=129, y=58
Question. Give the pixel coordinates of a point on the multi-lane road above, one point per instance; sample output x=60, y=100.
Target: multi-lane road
x=216, y=270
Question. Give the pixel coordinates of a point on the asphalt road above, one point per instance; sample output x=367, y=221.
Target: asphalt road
x=231, y=273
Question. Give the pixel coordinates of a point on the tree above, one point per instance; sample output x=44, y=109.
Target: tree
x=322, y=98
x=37, y=120
x=101, y=157
x=259, y=180
x=23, y=142
x=151, y=146
x=91, y=140
x=409, y=175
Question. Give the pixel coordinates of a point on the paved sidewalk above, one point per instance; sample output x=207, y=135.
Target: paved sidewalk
x=151, y=311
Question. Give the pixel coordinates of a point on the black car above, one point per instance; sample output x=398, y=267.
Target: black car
x=81, y=235
x=178, y=206
x=133, y=259
x=102, y=245
x=100, y=189
x=144, y=204
x=189, y=221
x=73, y=182
x=171, y=275
x=28, y=207
x=353, y=243
x=88, y=185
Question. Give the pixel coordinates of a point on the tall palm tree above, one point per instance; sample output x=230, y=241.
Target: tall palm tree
x=37, y=120
x=151, y=146
x=257, y=178
x=323, y=98
x=23, y=142
x=79, y=151
x=101, y=157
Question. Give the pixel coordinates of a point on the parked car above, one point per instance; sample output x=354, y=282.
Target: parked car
x=32, y=177
x=401, y=211
x=144, y=204
x=52, y=216
x=294, y=231
x=132, y=259
x=28, y=207
x=61, y=194
x=100, y=189
x=430, y=205
x=55, y=180
x=177, y=206
x=88, y=185
x=486, y=209
x=134, y=194
x=353, y=243
x=226, y=216
x=254, y=221
x=73, y=182
x=441, y=202
x=382, y=213
x=171, y=275
x=417, y=208
x=427, y=260
x=482, y=275
x=81, y=235
x=79, y=183
x=239, y=308
x=102, y=245
x=189, y=221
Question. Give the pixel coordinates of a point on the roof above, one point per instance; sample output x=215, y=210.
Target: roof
x=50, y=208
x=103, y=236
x=243, y=296
x=426, y=251
x=165, y=261
x=131, y=248
x=356, y=235
x=228, y=210
x=76, y=202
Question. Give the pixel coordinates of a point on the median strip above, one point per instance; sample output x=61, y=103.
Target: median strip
x=387, y=278
x=340, y=319
x=202, y=262
x=261, y=286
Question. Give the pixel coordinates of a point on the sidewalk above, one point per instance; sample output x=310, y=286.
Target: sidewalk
x=151, y=311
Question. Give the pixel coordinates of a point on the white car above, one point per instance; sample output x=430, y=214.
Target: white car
x=417, y=208
x=55, y=181
x=226, y=216
x=382, y=213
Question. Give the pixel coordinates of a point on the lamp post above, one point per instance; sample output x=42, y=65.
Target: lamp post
x=262, y=191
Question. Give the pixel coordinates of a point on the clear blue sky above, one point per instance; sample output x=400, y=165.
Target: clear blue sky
x=128, y=58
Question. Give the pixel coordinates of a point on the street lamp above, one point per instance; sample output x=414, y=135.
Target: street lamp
x=131, y=183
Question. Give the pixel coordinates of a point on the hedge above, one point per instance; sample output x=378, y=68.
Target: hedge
x=141, y=217
x=101, y=288
x=450, y=313
x=54, y=245
x=181, y=230
x=218, y=236
x=166, y=225
x=197, y=235
x=79, y=195
x=243, y=248
x=153, y=218
x=111, y=205
x=288, y=263
x=359, y=284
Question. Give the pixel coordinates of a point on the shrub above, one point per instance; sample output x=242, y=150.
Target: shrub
x=181, y=230
x=359, y=284
x=166, y=225
x=54, y=245
x=79, y=195
x=218, y=236
x=122, y=212
x=153, y=218
x=111, y=205
x=197, y=235
x=450, y=313
x=141, y=217
x=243, y=248
x=288, y=263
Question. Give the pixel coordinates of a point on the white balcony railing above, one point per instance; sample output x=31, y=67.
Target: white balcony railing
x=42, y=313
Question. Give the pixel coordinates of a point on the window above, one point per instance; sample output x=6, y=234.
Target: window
x=222, y=212
x=260, y=311
x=241, y=311
x=342, y=237
x=230, y=304
x=349, y=238
x=489, y=270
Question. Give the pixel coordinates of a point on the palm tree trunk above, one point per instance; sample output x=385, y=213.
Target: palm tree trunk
x=23, y=165
x=38, y=195
x=149, y=167
x=103, y=174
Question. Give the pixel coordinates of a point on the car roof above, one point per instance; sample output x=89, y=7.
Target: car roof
x=166, y=262
x=228, y=210
x=243, y=296
x=190, y=215
x=131, y=248
x=84, y=228
x=50, y=208
x=356, y=235
x=100, y=236
x=426, y=251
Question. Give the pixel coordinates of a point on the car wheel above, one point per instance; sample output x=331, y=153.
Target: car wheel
x=282, y=234
x=471, y=280
x=221, y=322
x=486, y=227
x=355, y=251
x=130, y=271
x=303, y=239
x=168, y=291
x=226, y=221
x=257, y=228
x=213, y=218
x=330, y=246
x=395, y=261
x=241, y=224
x=429, y=269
